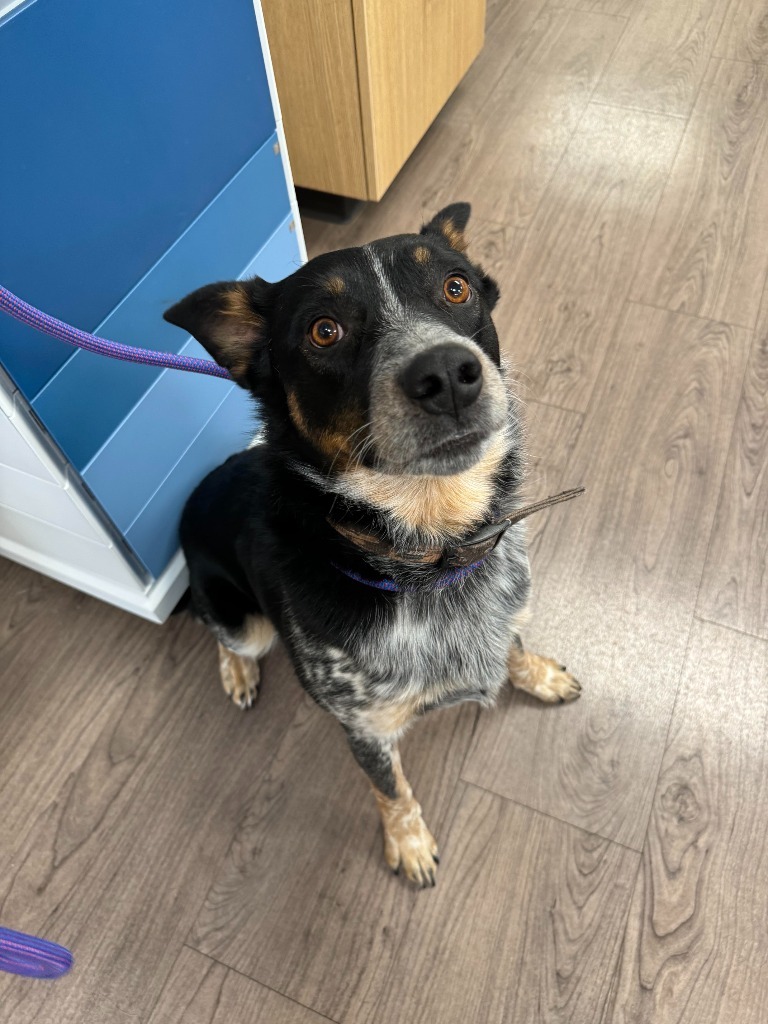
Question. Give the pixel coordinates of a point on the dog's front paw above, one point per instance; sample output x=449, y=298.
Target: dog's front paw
x=543, y=678
x=410, y=848
x=240, y=678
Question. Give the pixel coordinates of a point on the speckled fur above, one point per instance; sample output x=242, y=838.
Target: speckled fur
x=433, y=649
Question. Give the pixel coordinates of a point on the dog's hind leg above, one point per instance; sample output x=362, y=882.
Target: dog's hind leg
x=239, y=659
x=542, y=677
x=408, y=844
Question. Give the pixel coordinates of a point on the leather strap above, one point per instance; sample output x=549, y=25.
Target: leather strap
x=470, y=551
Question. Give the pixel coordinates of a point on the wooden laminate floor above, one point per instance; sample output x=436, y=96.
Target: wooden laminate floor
x=602, y=863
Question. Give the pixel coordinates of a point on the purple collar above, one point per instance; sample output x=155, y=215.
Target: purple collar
x=448, y=578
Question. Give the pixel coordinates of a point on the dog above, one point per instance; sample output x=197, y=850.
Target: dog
x=374, y=524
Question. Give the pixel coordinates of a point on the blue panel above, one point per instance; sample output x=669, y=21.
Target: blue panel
x=154, y=534
x=121, y=121
x=148, y=444
x=217, y=245
x=141, y=453
x=279, y=258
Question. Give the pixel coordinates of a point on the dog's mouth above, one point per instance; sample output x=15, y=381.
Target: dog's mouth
x=452, y=455
x=459, y=445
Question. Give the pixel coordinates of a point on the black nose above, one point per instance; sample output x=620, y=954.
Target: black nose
x=444, y=379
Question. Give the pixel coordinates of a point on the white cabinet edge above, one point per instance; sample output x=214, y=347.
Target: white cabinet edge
x=155, y=603
x=279, y=124
x=118, y=584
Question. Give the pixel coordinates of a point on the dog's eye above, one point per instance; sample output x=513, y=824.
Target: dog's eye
x=456, y=288
x=325, y=332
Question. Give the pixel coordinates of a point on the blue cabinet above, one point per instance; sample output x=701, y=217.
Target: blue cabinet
x=141, y=157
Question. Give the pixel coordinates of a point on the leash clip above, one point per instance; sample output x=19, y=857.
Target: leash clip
x=477, y=547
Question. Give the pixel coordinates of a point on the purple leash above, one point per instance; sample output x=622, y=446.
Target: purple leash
x=22, y=311
x=32, y=957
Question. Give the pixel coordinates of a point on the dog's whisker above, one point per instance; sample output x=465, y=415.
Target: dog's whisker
x=342, y=447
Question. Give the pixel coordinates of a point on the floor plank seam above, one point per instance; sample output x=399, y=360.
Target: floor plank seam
x=741, y=60
x=491, y=90
x=732, y=629
x=694, y=316
x=580, y=10
x=554, y=405
x=242, y=810
x=553, y=817
x=640, y=110
x=723, y=20
x=626, y=297
x=256, y=981
x=609, y=1005
x=731, y=436
x=546, y=190
x=663, y=746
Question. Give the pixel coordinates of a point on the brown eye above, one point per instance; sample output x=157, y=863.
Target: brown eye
x=325, y=332
x=456, y=288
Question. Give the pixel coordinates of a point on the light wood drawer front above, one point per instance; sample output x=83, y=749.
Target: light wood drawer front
x=313, y=52
x=411, y=56
x=360, y=81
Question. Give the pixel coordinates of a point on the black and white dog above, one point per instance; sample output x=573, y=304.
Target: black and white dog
x=373, y=526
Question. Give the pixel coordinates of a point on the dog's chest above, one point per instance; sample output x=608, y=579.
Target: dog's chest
x=434, y=649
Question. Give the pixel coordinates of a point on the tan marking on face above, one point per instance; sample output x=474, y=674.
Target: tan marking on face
x=297, y=416
x=421, y=254
x=408, y=843
x=335, y=285
x=439, y=505
x=456, y=237
x=541, y=677
x=338, y=442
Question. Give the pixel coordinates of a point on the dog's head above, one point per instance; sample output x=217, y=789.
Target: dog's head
x=383, y=356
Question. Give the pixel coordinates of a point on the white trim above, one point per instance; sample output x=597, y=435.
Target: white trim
x=119, y=585
x=7, y=6
x=279, y=124
x=154, y=604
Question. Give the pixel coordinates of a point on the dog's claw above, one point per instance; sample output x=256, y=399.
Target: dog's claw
x=413, y=853
x=239, y=677
x=545, y=679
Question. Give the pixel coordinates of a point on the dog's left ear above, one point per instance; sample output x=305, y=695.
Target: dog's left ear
x=450, y=223
x=229, y=319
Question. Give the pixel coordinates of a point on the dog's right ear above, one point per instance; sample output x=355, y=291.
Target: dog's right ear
x=229, y=320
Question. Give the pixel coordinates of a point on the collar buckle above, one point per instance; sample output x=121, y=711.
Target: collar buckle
x=476, y=547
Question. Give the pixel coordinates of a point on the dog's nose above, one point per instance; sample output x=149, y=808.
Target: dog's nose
x=444, y=379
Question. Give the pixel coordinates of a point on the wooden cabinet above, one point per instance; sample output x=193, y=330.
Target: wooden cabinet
x=360, y=81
